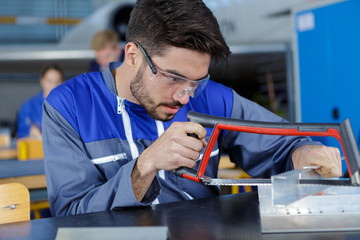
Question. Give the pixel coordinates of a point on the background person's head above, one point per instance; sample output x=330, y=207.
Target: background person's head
x=51, y=76
x=158, y=24
x=106, y=46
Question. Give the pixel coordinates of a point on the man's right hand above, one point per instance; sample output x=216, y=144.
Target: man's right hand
x=173, y=149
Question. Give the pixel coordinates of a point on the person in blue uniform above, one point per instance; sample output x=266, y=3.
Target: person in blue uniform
x=112, y=139
x=107, y=49
x=30, y=113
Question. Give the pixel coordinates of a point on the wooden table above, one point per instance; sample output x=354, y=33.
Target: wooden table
x=30, y=173
x=8, y=153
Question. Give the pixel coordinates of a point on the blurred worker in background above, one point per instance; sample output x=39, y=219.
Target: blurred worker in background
x=107, y=49
x=30, y=113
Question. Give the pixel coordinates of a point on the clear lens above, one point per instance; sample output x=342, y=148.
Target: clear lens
x=189, y=90
x=193, y=88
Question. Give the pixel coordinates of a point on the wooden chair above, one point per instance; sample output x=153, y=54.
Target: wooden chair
x=14, y=203
x=37, y=206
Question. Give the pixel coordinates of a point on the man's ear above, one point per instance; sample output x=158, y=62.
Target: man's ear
x=131, y=55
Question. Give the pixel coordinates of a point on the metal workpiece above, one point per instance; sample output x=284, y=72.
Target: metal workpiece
x=355, y=178
x=289, y=206
x=286, y=187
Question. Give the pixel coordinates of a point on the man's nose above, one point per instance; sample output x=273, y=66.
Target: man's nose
x=182, y=97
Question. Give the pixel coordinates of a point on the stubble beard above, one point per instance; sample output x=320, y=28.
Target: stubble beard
x=142, y=95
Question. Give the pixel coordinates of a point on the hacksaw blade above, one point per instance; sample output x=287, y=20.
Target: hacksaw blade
x=265, y=182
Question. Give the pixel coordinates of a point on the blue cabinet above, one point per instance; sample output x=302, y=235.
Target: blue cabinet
x=327, y=65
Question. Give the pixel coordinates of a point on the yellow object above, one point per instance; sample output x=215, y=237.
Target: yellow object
x=14, y=203
x=36, y=20
x=36, y=206
x=235, y=189
x=225, y=162
x=29, y=149
x=228, y=169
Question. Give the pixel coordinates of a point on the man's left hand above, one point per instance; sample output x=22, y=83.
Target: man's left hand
x=327, y=158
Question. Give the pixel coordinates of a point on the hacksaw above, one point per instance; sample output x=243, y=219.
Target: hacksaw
x=297, y=200
x=342, y=132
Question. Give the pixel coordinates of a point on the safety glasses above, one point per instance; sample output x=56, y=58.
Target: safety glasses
x=184, y=85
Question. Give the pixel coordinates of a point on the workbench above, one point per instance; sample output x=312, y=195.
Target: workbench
x=226, y=217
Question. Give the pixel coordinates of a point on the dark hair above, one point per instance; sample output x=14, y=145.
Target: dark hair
x=158, y=24
x=50, y=67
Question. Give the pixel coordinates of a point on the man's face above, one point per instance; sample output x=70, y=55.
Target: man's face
x=155, y=93
x=107, y=55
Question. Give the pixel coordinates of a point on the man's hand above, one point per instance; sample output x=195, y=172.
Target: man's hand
x=328, y=158
x=35, y=132
x=173, y=149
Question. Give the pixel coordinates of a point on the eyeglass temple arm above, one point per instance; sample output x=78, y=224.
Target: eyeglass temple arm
x=151, y=65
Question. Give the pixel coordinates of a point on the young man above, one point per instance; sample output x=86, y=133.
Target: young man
x=112, y=139
x=107, y=49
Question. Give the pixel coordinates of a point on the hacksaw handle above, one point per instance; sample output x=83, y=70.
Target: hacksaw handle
x=185, y=171
x=342, y=132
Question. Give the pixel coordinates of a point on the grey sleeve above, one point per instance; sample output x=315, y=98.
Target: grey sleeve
x=73, y=181
x=258, y=154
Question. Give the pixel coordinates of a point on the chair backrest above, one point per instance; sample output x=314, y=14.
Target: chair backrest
x=14, y=203
x=29, y=149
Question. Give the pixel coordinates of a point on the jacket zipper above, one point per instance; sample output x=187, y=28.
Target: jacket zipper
x=127, y=127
